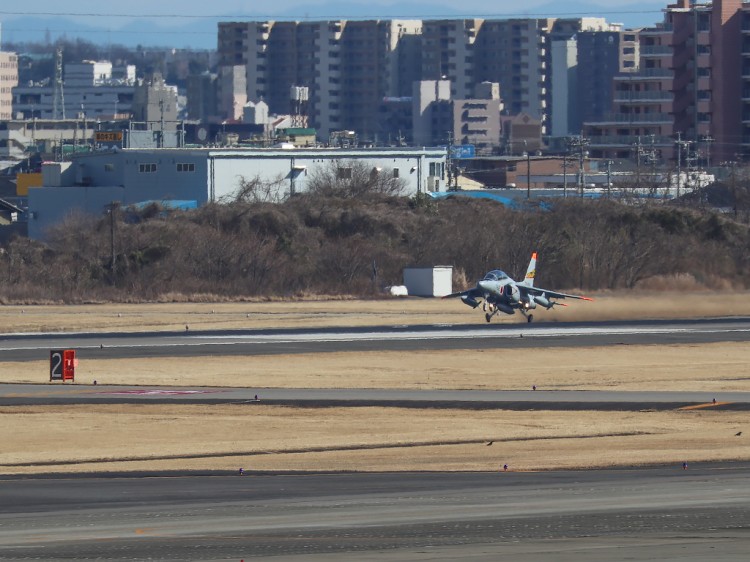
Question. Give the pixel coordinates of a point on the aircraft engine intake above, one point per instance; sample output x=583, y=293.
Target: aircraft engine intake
x=512, y=292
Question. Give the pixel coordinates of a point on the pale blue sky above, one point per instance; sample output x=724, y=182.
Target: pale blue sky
x=301, y=8
x=193, y=22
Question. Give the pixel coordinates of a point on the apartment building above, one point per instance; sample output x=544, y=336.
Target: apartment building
x=688, y=91
x=348, y=66
x=8, y=81
x=448, y=53
x=603, y=55
x=438, y=118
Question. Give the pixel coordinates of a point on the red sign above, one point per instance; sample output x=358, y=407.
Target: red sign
x=62, y=364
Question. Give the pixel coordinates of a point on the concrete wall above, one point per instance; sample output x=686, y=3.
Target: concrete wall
x=52, y=205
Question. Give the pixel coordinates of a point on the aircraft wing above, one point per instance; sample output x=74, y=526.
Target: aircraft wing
x=472, y=293
x=538, y=291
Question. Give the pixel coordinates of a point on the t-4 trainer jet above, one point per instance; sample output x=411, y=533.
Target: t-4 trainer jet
x=497, y=292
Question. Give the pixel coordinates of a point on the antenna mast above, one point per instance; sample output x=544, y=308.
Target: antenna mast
x=58, y=101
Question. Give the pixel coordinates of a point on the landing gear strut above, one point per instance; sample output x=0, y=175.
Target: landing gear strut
x=530, y=318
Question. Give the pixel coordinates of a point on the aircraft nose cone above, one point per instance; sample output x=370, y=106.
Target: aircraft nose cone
x=485, y=285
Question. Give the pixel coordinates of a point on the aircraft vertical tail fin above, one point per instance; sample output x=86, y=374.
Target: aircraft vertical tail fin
x=530, y=272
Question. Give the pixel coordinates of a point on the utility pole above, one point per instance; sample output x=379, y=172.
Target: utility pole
x=638, y=149
x=680, y=144
x=528, y=170
x=565, y=174
x=708, y=139
x=580, y=142
x=609, y=178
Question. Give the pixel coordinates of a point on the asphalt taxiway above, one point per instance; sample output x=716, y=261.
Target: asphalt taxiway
x=640, y=514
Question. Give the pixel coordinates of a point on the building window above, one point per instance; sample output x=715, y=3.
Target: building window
x=344, y=173
x=396, y=173
x=147, y=168
x=186, y=167
x=109, y=167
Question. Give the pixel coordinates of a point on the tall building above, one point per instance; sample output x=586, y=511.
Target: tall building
x=348, y=67
x=602, y=55
x=91, y=88
x=8, y=81
x=155, y=102
x=351, y=67
x=231, y=92
x=202, y=103
x=687, y=94
x=448, y=53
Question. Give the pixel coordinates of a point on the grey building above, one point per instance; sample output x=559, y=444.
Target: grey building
x=93, y=89
x=439, y=119
x=154, y=101
x=348, y=66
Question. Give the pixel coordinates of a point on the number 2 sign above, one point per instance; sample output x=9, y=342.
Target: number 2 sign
x=62, y=364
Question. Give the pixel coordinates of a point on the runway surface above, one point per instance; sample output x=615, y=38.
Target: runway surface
x=29, y=347
x=643, y=514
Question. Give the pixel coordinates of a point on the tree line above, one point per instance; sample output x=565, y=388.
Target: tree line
x=332, y=242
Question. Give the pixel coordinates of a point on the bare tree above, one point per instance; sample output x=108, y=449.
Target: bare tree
x=353, y=179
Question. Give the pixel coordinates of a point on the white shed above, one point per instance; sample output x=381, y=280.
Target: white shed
x=436, y=281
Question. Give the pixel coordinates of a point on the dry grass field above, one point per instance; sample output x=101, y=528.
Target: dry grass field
x=259, y=437
x=294, y=314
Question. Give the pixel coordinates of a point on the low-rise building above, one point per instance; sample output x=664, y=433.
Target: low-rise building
x=89, y=182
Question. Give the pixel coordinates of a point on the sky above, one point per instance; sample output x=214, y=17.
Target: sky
x=193, y=22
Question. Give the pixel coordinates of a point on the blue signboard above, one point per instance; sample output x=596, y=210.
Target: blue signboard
x=462, y=151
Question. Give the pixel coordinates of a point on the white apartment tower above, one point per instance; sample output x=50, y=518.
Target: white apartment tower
x=8, y=81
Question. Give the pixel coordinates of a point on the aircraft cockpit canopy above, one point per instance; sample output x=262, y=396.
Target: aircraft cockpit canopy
x=495, y=275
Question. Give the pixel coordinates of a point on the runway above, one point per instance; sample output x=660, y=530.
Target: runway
x=641, y=514
x=30, y=347
x=604, y=515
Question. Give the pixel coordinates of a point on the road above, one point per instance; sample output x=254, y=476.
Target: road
x=29, y=347
x=641, y=514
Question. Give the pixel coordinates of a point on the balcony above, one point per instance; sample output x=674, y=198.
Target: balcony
x=660, y=29
x=628, y=141
x=636, y=118
x=656, y=50
x=646, y=74
x=648, y=95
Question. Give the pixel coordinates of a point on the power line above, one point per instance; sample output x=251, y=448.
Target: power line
x=513, y=15
x=8, y=29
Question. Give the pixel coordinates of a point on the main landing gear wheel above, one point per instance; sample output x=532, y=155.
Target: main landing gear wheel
x=488, y=317
x=530, y=318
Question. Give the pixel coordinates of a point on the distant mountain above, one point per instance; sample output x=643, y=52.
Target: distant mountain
x=201, y=33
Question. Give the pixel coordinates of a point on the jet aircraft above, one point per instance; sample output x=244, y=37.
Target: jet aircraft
x=497, y=292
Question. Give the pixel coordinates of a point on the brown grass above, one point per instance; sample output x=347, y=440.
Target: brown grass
x=713, y=368
x=184, y=437
x=256, y=437
x=175, y=316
